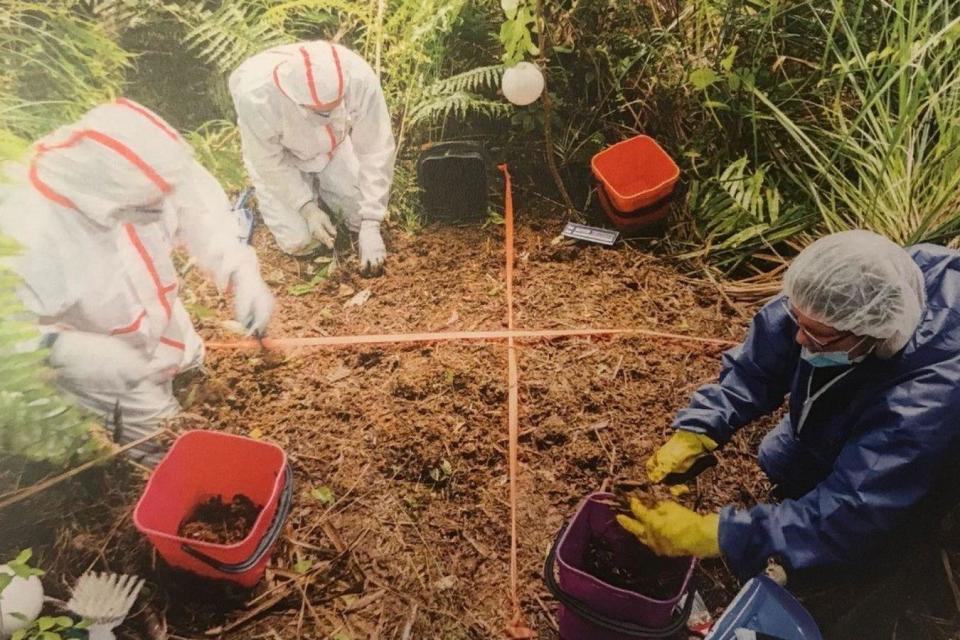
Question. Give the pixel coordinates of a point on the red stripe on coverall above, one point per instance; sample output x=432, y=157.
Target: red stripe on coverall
x=149, y=115
x=173, y=343
x=133, y=326
x=102, y=139
x=312, y=85
x=276, y=80
x=333, y=141
x=162, y=290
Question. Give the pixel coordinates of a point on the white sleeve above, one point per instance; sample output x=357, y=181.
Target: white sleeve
x=44, y=286
x=275, y=179
x=373, y=143
x=208, y=228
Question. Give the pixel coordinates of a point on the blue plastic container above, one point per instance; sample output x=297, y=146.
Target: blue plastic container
x=244, y=214
x=767, y=608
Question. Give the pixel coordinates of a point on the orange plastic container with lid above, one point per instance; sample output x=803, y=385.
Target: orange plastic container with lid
x=635, y=173
x=203, y=464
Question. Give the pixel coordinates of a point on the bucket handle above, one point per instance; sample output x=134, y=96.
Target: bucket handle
x=610, y=624
x=269, y=538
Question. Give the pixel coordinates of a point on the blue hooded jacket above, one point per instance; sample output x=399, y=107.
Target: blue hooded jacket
x=870, y=447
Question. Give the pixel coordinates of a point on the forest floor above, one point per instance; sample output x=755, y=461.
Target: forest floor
x=401, y=519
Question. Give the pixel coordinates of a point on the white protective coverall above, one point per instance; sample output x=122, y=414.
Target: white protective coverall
x=97, y=214
x=314, y=124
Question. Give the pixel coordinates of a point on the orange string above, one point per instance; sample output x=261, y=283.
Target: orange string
x=516, y=627
x=451, y=336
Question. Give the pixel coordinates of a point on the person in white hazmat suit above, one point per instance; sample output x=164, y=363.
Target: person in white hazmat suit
x=317, y=143
x=97, y=214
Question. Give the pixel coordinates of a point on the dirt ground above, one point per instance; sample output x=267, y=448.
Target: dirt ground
x=400, y=525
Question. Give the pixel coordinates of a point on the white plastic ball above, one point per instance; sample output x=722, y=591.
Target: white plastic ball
x=23, y=596
x=522, y=83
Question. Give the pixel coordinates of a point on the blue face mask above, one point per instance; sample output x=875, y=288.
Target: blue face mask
x=819, y=359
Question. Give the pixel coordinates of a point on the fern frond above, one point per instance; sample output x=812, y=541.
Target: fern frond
x=471, y=81
x=738, y=206
x=459, y=104
x=231, y=34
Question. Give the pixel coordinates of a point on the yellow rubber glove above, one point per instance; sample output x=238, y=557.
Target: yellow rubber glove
x=678, y=454
x=670, y=529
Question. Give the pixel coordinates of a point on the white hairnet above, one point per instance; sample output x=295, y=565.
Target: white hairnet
x=313, y=76
x=861, y=282
x=117, y=155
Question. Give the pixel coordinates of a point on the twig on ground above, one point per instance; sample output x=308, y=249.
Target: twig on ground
x=113, y=531
x=33, y=490
x=950, y=579
x=549, y=613
x=408, y=627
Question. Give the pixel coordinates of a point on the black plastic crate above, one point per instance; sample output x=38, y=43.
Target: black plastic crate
x=453, y=179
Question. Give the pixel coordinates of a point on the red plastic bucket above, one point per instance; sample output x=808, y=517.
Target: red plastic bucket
x=635, y=173
x=203, y=464
x=591, y=609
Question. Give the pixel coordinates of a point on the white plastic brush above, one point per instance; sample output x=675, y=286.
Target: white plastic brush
x=105, y=600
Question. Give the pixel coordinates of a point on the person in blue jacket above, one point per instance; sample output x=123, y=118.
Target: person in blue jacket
x=865, y=339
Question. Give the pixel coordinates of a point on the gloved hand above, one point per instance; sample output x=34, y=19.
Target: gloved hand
x=307, y=250
x=678, y=454
x=252, y=299
x=372, y=250
x=671, y=529
x=319, y=224
x=100, y=361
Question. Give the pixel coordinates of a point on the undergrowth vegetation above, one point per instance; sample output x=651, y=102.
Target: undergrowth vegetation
x=789, y=118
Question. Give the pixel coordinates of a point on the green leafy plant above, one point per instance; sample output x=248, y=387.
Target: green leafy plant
x=442, y=472
x=36, y=422
x=57, y=65
x=739, y=211
x=516, y=32
x=304, y=288
x=234, y=31
x=884, y=151
x=20, y=568
x=322, y=494
x=51, y=628
x=44, y=627
x=405, y=207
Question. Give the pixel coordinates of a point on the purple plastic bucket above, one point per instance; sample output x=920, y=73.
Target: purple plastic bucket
x=591, y=609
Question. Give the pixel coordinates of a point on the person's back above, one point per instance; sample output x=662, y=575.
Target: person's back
x=96, y=211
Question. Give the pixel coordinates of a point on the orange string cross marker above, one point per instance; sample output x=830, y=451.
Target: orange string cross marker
x=451, y=336
x=516, y=628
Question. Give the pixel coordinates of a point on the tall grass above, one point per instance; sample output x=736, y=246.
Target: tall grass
x=845, y=113
x=791, y=118
x=56, y=65
x=883, y=153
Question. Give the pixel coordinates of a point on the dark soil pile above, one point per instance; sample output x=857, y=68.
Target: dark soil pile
x=219, y=522
x=640, y=571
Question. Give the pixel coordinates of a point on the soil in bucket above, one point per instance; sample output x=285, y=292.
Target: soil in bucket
x=220, y=522
x=641, y=572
